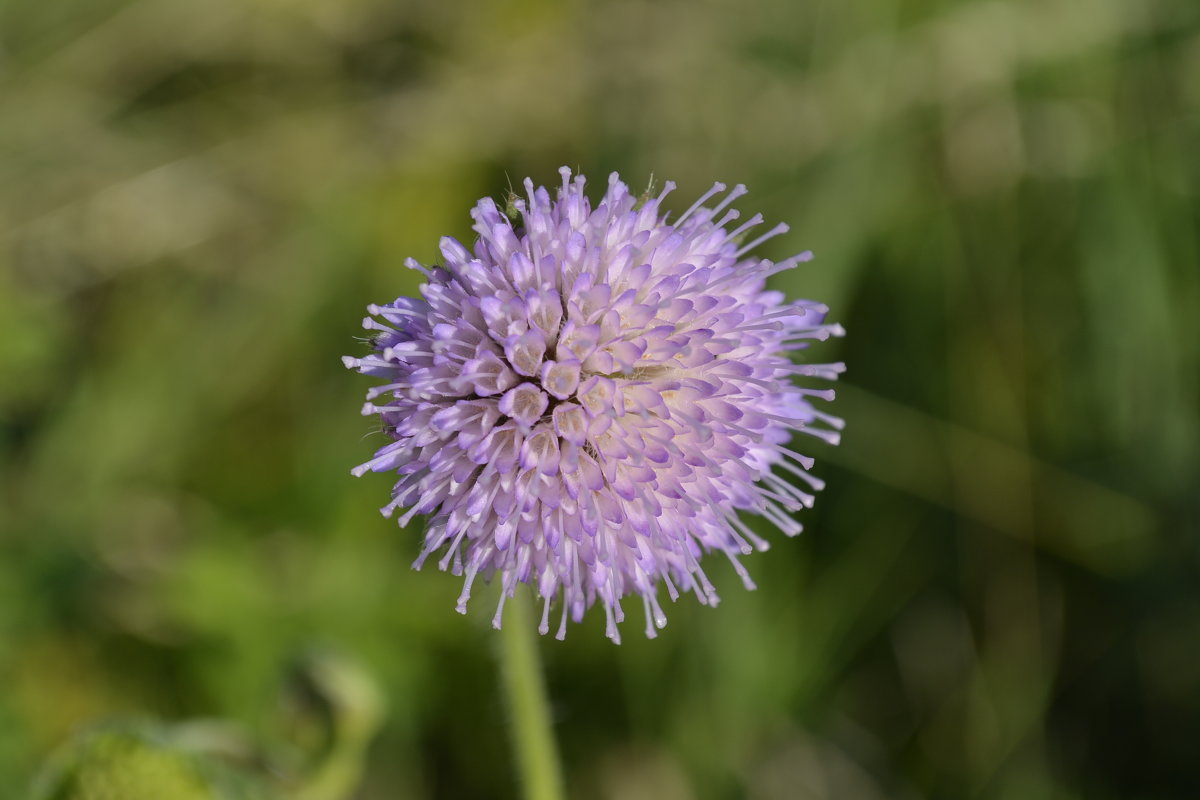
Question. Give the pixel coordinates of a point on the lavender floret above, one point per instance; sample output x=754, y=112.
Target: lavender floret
x=587, y=399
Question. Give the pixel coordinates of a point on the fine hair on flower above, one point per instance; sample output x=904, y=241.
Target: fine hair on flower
x=590, y=398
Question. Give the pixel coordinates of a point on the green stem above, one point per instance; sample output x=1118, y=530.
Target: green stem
x=524, y=686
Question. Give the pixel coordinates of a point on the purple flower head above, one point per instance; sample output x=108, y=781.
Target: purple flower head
x=587, y=399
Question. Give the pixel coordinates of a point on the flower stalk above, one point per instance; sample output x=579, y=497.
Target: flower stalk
x=524, y=685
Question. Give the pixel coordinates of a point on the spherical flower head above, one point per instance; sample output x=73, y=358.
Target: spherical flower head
x=587, y=399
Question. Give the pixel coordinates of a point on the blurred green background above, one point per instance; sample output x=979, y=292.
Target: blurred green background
x=998, y=595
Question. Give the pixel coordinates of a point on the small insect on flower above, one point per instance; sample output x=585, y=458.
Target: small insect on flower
x=586, y=399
